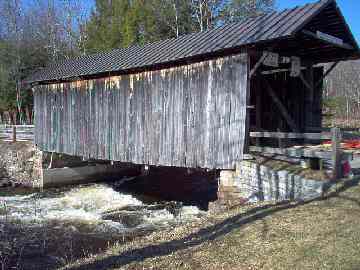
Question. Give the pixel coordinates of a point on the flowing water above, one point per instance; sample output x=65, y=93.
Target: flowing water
x=60, y=225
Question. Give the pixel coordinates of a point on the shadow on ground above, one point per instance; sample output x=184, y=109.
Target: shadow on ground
x=206, y=234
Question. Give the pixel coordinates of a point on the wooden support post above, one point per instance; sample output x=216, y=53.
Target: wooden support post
x=309, y=94
x=280, y=142
x=318, y=83
x=14, y=134
x=310, y=79
x=305, y=82
x=258, y=64
x=258, y=112
x=247, y=121
x=336, y=153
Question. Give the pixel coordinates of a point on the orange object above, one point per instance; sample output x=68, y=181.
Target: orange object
x=347, y=144
x=352, y=144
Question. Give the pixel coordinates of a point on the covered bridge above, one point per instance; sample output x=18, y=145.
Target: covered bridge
x=192, y=101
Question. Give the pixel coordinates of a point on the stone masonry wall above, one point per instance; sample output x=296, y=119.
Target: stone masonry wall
x=254, y=182
x=21, y=162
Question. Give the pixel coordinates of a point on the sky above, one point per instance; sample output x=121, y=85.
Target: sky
x=349, y=8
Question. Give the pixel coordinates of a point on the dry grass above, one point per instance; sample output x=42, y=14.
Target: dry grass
x=320, y=234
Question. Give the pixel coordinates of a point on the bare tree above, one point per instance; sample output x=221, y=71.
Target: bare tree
x=32, y=33
x=343, y=87
x=12, y=16
x=206, y=12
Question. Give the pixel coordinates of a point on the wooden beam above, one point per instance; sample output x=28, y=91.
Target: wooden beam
x=310, y=80
x=291, y=135
x=315, y=36
x=280, y=141
x=280, y=106
x=257, y=65
x=306, y=83
x=258, y=112
x=326, y=74
x=321, y=129
x=292, y=152
x=298, y=152
x=274, y=71
x=261, y=60
x=309, y=96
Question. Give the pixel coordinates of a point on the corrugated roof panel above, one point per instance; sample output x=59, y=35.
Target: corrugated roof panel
x=203, y=42
x=249, y=31
x=236, y=30
x=258, y=30
x=278, y=22
x=301, y=16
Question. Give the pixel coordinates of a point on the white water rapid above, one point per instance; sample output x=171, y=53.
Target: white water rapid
x=97, y=207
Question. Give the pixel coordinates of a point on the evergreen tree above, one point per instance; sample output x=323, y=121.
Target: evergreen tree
x=121, y=23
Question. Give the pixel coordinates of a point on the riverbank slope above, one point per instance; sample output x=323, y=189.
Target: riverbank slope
x=319, y=234
x=21, y=163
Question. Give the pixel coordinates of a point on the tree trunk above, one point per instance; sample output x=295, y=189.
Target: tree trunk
x=28, y=115
x=14, y=117
x=7, y=118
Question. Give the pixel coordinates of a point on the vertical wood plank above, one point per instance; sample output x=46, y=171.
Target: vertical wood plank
x=187, y=116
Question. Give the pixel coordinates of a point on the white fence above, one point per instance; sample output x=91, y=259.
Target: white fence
x=16, y=133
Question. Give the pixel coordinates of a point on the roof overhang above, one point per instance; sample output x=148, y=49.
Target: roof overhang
x=324, y=37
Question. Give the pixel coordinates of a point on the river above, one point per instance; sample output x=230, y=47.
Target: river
x=44, y=230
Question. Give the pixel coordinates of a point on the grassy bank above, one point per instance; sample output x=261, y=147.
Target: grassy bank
x=321, y=234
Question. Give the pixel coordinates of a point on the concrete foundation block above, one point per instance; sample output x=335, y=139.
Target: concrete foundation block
x=87, y=174
x=252, y=182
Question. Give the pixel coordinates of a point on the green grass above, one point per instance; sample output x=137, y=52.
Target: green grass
x=320, y=234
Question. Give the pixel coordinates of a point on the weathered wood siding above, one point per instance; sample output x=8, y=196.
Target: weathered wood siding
x=186, y=116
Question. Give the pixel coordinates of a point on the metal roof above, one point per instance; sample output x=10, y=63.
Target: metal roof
x=265, y=28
